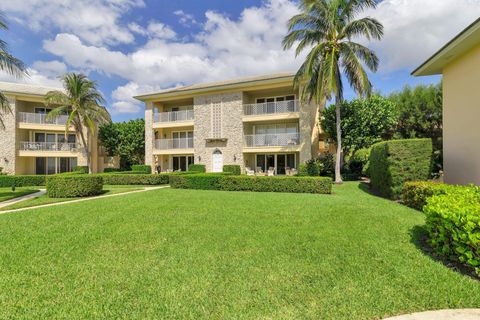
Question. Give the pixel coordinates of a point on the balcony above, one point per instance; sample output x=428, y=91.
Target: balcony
x=271, y=110
x=174, y=146
x=272, y=140
x=39, y=118
x=174, y=118
x=28, y=146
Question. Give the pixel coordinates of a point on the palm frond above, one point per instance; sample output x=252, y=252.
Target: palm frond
x=4, y=109
x=366, y=27
x=366, y=55
x=11, y=65
x=355, y=73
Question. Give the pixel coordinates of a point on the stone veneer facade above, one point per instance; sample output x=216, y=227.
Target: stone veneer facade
x=8, y=141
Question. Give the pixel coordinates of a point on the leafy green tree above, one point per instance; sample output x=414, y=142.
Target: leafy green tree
x=81, y=101
x=420, y=116
x=125, y=139
x=327, y=28
x=10, y=65
x=364, y=122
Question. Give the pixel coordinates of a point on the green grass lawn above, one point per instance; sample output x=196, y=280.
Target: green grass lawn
x=190, y=254
x=8, y=194
x=44, y=199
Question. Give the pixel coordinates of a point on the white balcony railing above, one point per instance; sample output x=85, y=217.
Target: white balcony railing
x=180, y=143
x=49, y=146
x=174, y=116
x=256, y=109
x=272, y=140
x=39, y=118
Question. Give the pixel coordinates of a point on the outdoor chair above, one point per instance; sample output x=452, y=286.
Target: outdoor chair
x=250, y=172
x=271, y=171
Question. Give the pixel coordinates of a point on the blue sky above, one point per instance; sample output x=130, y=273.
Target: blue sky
x=137, y=46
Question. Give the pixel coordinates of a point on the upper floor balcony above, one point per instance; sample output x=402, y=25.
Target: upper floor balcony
x=272, y=140
x=174, y=146
x=174, y=118
x=275, y=110
x=29, y=148
x=29, y=120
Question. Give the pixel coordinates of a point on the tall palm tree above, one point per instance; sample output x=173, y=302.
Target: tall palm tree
x=327, y=28
x=81, y=101
x=10, y=65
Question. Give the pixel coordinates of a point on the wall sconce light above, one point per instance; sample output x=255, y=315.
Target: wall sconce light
x=199, y=158
x=5, y=160
x=234, y=158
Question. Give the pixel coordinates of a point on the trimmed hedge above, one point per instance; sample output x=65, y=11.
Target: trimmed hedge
x=62, y=186
x=21, y=181
x=392, y=163
x=134, y=179
x=81, y=169
x=110, y=170
x=233, y=169
x=196, y=168
x=416, y=193
x=453, y=225
x=142, y=168
x=321, y=185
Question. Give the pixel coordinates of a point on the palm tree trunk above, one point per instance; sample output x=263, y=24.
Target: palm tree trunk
x=338, y=159
x=87, y=150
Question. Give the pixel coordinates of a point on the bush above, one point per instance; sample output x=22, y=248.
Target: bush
x=64, y=186
x=21, y=181
x=358, y=161
x=416, y=193
x=233, y=169
x=256, y=184
x=110, y=170
x=81, y=169
x=134, y=179
x=311, y=168
x=197, y=168
x=142, y=168
x=327, y=163
x=453, y=225
x=392, y=163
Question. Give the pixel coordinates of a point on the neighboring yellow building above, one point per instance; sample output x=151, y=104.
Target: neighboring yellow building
x=256, y=122
x=33, y=144
x=459, y=62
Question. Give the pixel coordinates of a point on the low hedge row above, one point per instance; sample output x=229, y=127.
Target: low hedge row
x=81, y=169
x=233, y=169
x=21, y=181
x=134, y=179
x=64, y=186
x=230, y=182
x=197, y=168
x=392, y=163
x=416, y=193
x=453, y=225
x=147, y=169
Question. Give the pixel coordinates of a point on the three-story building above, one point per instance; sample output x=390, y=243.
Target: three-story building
x=258, y=123
x=32, y=143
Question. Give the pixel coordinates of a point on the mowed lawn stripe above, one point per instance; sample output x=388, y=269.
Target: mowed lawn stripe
x=194, y=254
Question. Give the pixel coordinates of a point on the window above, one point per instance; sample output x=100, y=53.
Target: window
x=278, y=161
x=181, y=162
x=216, y=120
x=272, y=104
x=54, y=165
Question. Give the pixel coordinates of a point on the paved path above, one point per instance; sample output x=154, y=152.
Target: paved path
x=76, y=200
x=22, y=198
x=459, y=314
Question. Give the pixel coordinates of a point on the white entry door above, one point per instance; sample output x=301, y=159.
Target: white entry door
x=217, y=161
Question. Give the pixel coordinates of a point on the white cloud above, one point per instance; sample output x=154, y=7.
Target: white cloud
x=50, y=69
x=123, y=95
x=154, y=30
x=94, y=21
x=185, y=19
x=414, y=30
x=34, y=77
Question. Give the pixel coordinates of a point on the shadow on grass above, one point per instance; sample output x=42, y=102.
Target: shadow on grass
x=419, y=237
x=366, y=187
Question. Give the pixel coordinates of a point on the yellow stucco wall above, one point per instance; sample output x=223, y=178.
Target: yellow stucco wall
x=461, y=115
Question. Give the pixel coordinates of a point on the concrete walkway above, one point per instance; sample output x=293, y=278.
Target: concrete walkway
x=459, y=314
x=76, y=200
x=22, y=198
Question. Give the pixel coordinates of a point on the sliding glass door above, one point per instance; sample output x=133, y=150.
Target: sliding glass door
x=280, y=162
x=52, y=165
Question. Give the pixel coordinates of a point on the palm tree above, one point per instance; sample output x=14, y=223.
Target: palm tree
x=10, y=65
x=81, y=101
x=327, y=28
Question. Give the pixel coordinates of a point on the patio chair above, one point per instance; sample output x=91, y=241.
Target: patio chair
x=259, y=171
x=271, y=171
x=293, y=172
x=249, y=171
x=288, y=171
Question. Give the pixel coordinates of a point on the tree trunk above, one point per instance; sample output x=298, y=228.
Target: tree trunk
x=85, y=145
x=338, y=159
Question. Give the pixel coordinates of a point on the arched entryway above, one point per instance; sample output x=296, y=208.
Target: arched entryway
x=217, y=161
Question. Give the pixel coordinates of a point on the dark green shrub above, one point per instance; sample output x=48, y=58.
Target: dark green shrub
x=134, y=179
x=21, y=181
x=233, y=169
x=358, y=161
x=453, y=225
x=64, y=186
x=81, y=169
x=256, y=184
x=392, y=163
x=416, y=193
x=196, y=168
x=142, y=168
x=110, y=170
x=327, y=162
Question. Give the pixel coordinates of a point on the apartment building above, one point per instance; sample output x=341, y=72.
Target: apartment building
x=258, y=123
x=31, y=143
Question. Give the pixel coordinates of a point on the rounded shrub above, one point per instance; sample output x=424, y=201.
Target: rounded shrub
x=142, y=168
x=197, y=168
x=232, y=168
x=81, y=169
x=64, y=186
